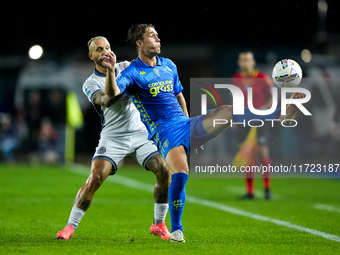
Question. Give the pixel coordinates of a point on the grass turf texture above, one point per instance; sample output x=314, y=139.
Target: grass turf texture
x=36, y=202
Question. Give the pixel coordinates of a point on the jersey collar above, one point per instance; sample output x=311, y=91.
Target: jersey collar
x=142, y=64
x=254, y=73
x=96, y=72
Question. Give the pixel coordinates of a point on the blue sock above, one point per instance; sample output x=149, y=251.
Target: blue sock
x=248, y=115
x=176, y=196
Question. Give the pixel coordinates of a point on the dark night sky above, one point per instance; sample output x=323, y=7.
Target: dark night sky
x=63, y=27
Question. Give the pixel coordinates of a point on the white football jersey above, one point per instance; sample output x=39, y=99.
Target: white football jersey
x=122, y=117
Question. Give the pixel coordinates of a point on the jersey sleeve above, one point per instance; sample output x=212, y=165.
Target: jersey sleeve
x=122, y=65
x=124, y=82
x=235, y=80
x=268, y=84
x=178, y=88
x=90, y=88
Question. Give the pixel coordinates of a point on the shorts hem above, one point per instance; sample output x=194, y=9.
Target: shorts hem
x=147, y=159
x=114, y=165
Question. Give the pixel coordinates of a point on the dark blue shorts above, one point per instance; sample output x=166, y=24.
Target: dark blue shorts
x=189, y=133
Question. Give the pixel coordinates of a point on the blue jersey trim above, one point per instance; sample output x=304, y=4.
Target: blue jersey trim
x=96, y=72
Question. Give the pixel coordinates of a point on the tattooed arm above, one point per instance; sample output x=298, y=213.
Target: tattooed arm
x=102, y=99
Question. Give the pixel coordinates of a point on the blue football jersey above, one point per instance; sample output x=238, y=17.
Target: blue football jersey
x=153, y=90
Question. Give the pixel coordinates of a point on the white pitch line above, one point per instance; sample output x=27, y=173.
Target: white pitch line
x=262, y=218
x=327, y=208
x=148, y=187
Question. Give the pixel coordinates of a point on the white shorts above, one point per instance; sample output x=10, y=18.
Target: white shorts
x=114, y=149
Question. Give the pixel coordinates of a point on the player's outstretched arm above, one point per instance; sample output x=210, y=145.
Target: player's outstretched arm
x=109, y=61
x=182, y=103
x=100, y=98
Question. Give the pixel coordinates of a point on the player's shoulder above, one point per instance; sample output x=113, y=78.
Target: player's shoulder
x=265, y=77
x=122, y=65
x=126, y=72
x=130, y=67
x=90, y=81
x=92, y=85
x=237, y=75
x=167, y=61
x=261, y=74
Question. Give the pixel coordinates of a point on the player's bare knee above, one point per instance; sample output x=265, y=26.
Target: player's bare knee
x=183, y=170
x=157, y=165
x=94, y=182
x=163, y=175
x=224, y=111
x=179, y=169
x=221, y=112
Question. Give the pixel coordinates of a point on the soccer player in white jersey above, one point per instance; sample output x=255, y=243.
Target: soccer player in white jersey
x=123, y=134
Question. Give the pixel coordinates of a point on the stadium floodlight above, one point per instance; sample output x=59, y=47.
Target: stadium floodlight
x=35, y=52
x=306, y=55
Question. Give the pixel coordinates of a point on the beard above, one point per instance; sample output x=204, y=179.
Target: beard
x=151, y=52
x=98, y=62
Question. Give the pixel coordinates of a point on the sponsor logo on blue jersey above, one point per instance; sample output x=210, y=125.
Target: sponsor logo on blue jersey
x=164, y=86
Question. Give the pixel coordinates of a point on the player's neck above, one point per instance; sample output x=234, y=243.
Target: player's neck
x=101, y=69
x=150, y=60
x=247, y=72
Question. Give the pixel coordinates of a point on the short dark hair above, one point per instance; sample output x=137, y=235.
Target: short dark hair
x=136, y=33
x=245, y=51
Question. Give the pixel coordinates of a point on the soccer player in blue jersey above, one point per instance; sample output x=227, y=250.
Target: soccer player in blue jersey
x=154, y=87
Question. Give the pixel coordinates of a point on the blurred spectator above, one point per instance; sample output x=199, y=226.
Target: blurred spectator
x=8, y=140
x=45, y=119
x=335, y=129
x=47, y=142
x=34, y=116
x=57, y=114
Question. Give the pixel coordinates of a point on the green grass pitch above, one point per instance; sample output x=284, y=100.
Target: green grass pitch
x=302, y=218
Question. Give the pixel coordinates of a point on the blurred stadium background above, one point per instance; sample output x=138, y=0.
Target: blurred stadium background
x=202, y=39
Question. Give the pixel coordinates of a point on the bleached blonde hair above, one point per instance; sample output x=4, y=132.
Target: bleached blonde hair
x=94, y=38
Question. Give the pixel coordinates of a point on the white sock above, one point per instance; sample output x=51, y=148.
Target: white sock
x=161, y=210
x=75, y=217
